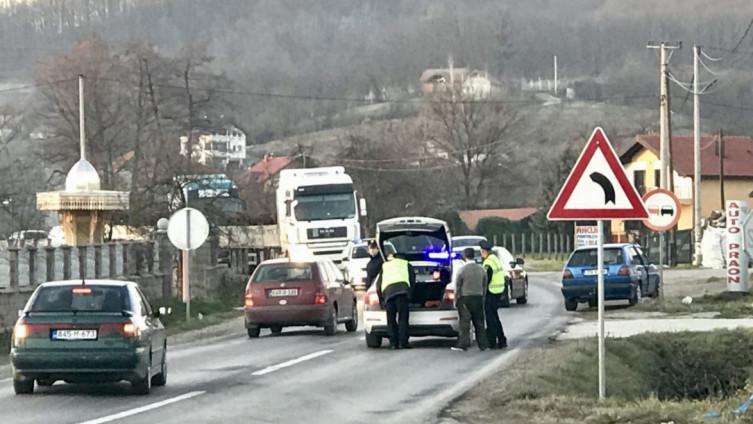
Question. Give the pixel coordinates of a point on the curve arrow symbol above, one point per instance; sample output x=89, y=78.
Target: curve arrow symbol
x=603, y=181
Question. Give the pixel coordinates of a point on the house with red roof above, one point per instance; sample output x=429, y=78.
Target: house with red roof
x=734, y=154
x=265, y=171
x=471, y=218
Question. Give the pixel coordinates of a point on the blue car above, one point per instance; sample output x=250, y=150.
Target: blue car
x=628, y=275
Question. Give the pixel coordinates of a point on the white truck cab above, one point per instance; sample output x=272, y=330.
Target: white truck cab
x=318, y=211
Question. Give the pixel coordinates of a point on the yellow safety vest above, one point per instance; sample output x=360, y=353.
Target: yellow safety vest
x=395, y=271
x=497, y=284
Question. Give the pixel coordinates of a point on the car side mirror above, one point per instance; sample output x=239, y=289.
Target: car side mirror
x=520, y=261
x=156, y=314
x=20, y=313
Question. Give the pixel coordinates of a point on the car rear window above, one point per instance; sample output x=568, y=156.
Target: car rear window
x=467, y=242
x=360, y=252
x=80, y=298
x=588, y=257
x=283, y=272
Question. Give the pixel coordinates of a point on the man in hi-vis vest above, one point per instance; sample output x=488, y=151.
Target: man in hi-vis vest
x=393, y=287
x=495, y=290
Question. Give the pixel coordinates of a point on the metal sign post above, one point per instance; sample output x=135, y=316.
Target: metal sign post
x=600, y=290
x=187, y=230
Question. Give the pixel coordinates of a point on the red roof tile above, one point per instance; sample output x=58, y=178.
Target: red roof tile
x=265, y=169
x=738, y=154
x=471, y=218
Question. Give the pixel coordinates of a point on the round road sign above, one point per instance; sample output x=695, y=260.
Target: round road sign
x=187, y=229
x=663, y=209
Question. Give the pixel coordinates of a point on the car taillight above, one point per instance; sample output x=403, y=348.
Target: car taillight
x=372, y=299
x=130, y=329
x=248, y=300
x=449, y=296
x=320, y=299
x=567, y=274
x=624, y=270
x=21, y=331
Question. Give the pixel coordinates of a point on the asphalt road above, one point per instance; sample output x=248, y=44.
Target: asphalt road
x=300, y=376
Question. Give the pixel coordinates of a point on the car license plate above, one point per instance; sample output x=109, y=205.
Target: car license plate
x=88, y=334
x=283, y=292
x=594, y=272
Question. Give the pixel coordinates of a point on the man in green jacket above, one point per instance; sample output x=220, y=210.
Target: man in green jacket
x=494, y=292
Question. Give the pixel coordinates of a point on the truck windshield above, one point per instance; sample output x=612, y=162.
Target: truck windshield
x=315, y=207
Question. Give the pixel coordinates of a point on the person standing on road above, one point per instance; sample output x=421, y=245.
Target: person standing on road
x=495, y=289
x=393, y=287
x=470, y=289
x=374, y=265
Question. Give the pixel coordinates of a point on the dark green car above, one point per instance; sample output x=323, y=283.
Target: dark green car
x=92, y=331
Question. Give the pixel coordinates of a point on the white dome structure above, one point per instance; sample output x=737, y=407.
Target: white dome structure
x=82, y=177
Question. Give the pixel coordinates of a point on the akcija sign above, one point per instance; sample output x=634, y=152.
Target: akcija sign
x=737, y=258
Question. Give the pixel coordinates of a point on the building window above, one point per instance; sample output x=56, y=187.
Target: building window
x=639, y=181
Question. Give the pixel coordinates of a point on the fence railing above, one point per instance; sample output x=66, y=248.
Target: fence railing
x=535, y=244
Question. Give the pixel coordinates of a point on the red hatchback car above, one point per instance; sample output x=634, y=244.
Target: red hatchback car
x=282, y=293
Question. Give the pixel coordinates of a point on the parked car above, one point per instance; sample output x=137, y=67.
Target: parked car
x=425, y=242
x=516, y=276
x=93, y=331
x=460, y=242
x=354, y=265
x=628, y=275
x=313, y=292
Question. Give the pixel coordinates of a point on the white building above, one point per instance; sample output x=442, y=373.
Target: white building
x=223, y=147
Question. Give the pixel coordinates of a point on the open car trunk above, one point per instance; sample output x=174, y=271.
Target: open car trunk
x=425, y=243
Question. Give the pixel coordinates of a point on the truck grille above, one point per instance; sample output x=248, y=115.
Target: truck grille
x=325, y=233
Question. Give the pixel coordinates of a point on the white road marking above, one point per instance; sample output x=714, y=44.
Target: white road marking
x=144, y=408
x=292, y=362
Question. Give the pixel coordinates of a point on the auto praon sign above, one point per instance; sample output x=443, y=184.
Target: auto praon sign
x=737, y=259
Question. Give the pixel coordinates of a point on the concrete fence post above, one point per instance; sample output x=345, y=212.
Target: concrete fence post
x=149, y=256
x=97, y=261
x=514, y=248
x=541, y=245
x=13, y=262
x=50, y=263
x=504, y=240
x=562, y=245
x=111, y=260
x=549, y=244
x=66, y=262
x=32, y=252
x=125, y=270
x=82, y=265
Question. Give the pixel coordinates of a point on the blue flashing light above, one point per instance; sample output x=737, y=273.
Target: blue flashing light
x=442, y=255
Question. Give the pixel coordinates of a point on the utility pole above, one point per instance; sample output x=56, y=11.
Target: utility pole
x=555, y=75
x=81, y=120
x=663, y=132
x=697, y=257
x=721, y=168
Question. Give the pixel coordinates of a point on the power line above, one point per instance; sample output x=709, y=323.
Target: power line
x=41, y=84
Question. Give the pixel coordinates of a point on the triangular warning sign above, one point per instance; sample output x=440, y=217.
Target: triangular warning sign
x=597, y=187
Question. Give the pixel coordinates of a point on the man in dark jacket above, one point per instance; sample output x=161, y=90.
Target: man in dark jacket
x=393, y=287
x=495, y=289
x=469, y=292
x=374, y=265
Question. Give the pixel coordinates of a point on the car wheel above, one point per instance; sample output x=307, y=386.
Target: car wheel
x=276, y=330
x=330, y=327
x=636, y=297
x=593, y=302
x=161, y=378
x=571, y=305
x=352, y=324
x=373, y=341
x=23, y=387
x=655, y=293
x=45, y=383
x=144, y=385
x=253, y=332
x=523, y=299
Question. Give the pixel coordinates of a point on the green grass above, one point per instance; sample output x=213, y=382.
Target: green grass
x=676, y=378
x=536, y=264
x=729, y=305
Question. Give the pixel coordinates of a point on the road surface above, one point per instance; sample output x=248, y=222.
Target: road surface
x=300, y=376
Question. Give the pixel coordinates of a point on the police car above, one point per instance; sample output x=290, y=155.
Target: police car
x=426, y=244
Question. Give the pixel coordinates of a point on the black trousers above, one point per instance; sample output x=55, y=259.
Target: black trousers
x=471, y=309
x=494, y=331
x=397, y=319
